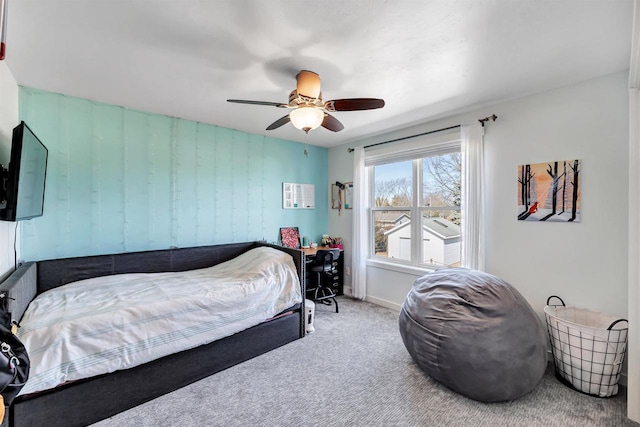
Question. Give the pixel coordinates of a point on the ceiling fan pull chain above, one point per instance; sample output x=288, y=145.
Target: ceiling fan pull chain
x=306, y=145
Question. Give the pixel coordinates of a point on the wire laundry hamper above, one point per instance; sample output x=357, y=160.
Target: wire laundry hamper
x=588, y=348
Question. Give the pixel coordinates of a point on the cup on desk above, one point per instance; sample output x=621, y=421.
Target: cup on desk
x=305, y=241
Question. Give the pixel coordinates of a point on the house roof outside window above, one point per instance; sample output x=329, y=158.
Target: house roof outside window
x=440, y=227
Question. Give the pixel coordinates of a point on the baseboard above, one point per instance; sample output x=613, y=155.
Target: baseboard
x=384, y=303
x=373, y=300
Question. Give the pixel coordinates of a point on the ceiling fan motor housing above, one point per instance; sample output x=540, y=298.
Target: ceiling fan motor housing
x=296, y=100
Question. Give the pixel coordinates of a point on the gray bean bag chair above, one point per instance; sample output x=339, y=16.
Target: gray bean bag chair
x=474, y=333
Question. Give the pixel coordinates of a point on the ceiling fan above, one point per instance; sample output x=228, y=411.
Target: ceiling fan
x=309, y=111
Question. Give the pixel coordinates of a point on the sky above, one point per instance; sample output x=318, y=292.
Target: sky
x=393, y=170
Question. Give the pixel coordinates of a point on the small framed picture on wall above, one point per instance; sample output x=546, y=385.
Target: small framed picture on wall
x=290, y=237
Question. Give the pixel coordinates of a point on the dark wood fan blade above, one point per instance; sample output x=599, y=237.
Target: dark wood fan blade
x=273, y=104
x=332, y=123
x=281, y=121
x=354, y=104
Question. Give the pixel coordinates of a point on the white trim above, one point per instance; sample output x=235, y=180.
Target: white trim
x=373, y=300
x=384, y=303
x=398, y=267
x=421, y=147
x=416, y=231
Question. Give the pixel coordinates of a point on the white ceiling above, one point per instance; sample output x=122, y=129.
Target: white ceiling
x=427, y=59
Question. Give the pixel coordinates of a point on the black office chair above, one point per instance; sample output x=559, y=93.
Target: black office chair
x=325, y=269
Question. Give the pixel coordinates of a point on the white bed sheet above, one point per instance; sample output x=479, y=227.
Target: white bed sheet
x=104, y=324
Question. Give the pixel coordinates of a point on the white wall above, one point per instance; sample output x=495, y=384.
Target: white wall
x=340, y=221
x=8, y=120
x=585, y=263
x=589, y=122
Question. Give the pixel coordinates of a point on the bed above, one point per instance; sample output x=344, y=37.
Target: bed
x=78, y=400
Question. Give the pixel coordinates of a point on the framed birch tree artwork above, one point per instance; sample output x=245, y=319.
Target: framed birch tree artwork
x=549, y=191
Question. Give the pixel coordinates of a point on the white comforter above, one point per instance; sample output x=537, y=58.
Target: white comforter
x=104, y=324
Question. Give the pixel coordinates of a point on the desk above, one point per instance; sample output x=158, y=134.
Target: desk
x=310, y=256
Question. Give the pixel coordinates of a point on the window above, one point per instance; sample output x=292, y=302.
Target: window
x=427, y=187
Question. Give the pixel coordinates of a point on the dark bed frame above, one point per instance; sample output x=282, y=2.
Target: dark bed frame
x=84, y=402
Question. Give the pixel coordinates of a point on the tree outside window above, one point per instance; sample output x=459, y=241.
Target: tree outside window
x=437, y=179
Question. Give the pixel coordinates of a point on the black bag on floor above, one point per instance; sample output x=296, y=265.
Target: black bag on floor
x=14, y=365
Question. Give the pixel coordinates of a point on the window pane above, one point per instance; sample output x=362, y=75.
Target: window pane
x=441, y=180
x=392, y=234
x=393, y=184
x=441, y=237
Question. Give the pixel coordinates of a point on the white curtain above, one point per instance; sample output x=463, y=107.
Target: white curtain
x=360, y=225
x=472, y=144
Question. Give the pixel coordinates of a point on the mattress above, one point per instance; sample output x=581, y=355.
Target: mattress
x=104, y=324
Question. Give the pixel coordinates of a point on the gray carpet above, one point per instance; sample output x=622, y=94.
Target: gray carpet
x=355, y=371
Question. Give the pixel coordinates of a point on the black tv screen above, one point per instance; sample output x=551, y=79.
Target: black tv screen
x=26, y=176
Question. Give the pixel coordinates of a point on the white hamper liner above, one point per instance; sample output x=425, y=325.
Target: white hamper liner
x=588, y=348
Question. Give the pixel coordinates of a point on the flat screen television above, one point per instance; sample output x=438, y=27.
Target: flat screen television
x=23, y=182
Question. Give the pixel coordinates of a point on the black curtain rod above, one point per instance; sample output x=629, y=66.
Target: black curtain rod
x=491, y=117
x=350, y=150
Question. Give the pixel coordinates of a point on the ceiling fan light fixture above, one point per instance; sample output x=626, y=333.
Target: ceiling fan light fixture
x=306, y=118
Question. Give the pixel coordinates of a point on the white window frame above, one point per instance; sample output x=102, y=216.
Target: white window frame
x=414, y=151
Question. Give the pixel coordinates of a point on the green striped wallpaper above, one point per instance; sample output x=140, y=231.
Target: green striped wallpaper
x=120, y=180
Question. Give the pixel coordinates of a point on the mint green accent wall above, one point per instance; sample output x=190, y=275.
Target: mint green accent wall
x=120, y=180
